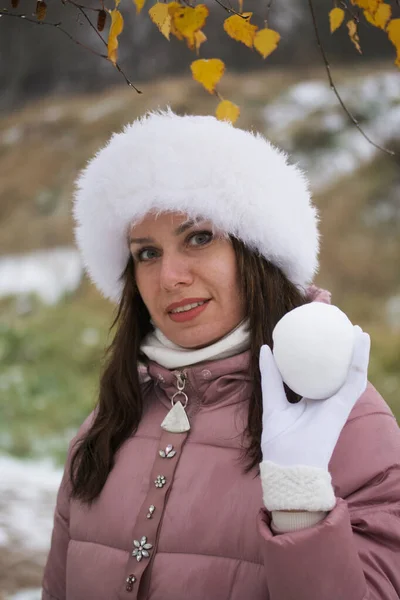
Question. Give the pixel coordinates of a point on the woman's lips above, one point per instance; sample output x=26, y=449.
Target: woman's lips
x=189, y=314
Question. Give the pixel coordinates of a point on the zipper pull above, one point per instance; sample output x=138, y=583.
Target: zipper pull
x=181, y=378
x=176, y=420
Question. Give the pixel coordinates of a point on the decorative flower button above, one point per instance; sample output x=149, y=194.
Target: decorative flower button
x=160, y=481
x=130, y=580
x=152, y=508
x=169, y=452
x=141, y=548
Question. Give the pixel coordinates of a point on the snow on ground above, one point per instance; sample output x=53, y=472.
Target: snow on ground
x=393, y=312
x=29, y=594
x=48, y=274
x=99, y=110
x=28, y=491
x=341, y=148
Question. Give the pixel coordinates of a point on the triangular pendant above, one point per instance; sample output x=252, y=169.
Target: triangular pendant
x=176, y=420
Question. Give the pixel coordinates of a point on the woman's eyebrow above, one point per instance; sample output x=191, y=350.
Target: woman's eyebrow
x=178, y=231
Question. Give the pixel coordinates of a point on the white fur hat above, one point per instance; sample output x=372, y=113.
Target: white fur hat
x=201, y=167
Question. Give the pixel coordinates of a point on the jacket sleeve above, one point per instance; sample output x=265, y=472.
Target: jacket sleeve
x=354, y=553
x=53, y=583
x=54, y=577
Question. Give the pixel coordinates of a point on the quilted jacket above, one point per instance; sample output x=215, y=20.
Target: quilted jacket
x=196, y=519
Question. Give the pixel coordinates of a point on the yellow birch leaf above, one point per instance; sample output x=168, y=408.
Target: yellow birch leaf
x=139, y=5
x=336, y=17
x=266, y=41
x=188, y=20
x=116, y=27
x=208, y=72
x=199, y=38
x=172, y=8
x=380, y=17
x=373, y=5
x=352, y=27
x=240, y=29
x=159, y=14
x=227, y=111
x=369, y=5
x=393, y=30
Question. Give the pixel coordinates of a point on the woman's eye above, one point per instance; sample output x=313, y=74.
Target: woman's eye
x=202, y=237
x=141, y=255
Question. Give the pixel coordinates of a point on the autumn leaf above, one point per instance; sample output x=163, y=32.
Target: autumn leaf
x=117, y=25
x=101, y=20
x=336, y=17
x=139, y=5
x=208, y=72
x=352, y=27
x=370, y=5
x=393, y=30
x=380, y=17
x=172, y=8
x=199, y=38
x=41, y=10
x=187, y=21
x=240, y=29
x=227, y=111
x=266, y=41
x=159, y=14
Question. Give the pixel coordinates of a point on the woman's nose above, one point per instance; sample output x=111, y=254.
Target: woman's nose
x=175, y=270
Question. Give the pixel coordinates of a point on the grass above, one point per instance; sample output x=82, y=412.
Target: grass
x=50, y=364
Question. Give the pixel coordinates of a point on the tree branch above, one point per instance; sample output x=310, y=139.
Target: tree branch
x=231, y=10
x=82, y=10
x=5, y=13
x=347, y=8
x=333, y=87
x=268, y=8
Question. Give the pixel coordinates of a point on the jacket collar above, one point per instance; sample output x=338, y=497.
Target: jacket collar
x=223, y=381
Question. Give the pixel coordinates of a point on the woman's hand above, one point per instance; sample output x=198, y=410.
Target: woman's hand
x=298, y=440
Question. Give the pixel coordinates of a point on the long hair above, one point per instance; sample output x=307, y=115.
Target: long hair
x=267, y=294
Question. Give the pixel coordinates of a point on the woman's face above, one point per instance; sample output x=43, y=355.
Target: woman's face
x=177, y=261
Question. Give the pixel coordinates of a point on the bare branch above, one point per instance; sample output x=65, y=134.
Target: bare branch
x=268, y=8
x=5, y=13
x=351, y=12
x=231, y=10
x=333, y=87
x=82, y=10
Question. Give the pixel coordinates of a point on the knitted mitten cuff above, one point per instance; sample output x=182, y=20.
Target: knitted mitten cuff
x=298, y=487
x=285, y=521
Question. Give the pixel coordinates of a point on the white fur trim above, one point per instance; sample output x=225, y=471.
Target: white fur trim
x=298, y=487
x=201, y=167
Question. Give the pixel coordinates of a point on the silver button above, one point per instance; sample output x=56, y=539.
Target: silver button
x=160, y=378
x=206, y=374
x=160, y=481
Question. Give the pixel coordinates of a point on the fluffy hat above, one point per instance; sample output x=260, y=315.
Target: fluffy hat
x=204, y=168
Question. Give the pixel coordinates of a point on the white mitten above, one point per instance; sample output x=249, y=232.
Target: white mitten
x=298, y=440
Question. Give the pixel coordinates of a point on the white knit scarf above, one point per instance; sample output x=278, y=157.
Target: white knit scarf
x=160, y=349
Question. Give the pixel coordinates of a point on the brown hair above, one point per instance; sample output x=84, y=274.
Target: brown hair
x=267, y=295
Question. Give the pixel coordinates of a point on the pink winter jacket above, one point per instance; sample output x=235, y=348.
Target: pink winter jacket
x=210, y=537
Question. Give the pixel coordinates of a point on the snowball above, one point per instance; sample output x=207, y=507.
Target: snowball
x=313, y=347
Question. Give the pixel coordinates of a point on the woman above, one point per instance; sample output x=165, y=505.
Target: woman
x=199, y=475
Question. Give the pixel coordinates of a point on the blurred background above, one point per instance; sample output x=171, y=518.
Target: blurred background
x=58, y=104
